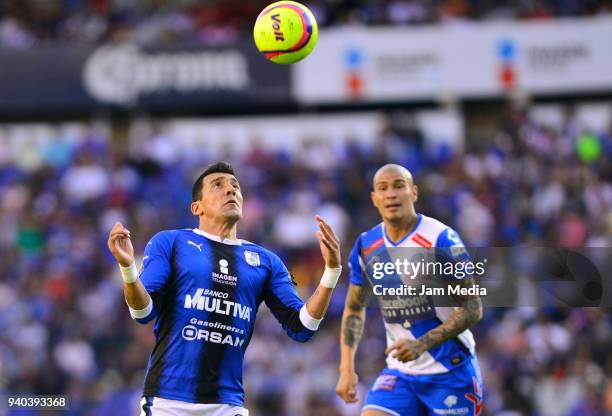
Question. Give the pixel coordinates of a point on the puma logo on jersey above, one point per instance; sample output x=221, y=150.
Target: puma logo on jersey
x=198, y=246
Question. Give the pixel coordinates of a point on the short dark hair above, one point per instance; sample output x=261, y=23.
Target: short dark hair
x=219, y=167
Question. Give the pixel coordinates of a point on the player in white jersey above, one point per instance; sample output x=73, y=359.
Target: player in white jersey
x=431, y=360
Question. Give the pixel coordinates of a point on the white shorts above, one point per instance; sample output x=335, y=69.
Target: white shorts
x=167, y=407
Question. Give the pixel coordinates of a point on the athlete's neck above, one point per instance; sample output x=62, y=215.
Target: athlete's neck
x=222, y=230
x=396, y=230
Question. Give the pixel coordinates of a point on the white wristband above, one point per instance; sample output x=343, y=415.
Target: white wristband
x=330, y=277
x=308, y=321
x=141, y=313
x=130, y=273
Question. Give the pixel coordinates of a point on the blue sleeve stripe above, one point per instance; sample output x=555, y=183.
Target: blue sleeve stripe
x=166, y=319
x=286, y=315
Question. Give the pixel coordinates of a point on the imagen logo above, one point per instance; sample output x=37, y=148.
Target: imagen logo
x=223, y=266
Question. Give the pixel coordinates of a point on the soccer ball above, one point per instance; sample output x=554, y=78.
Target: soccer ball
x=285, y=32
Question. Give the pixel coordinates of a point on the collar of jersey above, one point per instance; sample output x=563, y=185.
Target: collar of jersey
x=217, y=238
x=403, y=238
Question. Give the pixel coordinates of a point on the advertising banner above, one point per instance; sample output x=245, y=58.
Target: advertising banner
x=126, y=75
x=467, y=60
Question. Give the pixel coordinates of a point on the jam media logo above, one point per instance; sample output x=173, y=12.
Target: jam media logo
x=353, y=63
x=506, y=53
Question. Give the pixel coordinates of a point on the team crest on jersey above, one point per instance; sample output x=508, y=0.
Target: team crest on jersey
x=252, y=258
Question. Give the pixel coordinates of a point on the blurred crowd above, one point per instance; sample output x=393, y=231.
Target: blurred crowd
x=24, y=23
x=64, y=327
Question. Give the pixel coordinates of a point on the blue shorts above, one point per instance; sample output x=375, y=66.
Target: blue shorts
x=456, y=393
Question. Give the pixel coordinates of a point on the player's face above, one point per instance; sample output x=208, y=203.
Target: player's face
x=221, y=197
x=394, y=196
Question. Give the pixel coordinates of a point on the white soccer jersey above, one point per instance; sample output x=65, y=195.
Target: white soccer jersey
x=409, y=316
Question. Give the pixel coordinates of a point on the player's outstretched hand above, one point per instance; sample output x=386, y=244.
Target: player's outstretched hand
x=329, y=244
x=347, y=386
x=120, y=245
x=405, y=350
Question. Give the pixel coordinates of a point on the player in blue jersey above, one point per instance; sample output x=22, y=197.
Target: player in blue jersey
x=431, y=359
x=202, y=287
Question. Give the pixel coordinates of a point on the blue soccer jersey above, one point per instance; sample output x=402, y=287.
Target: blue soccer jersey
x=410, y=317
x=205, y=296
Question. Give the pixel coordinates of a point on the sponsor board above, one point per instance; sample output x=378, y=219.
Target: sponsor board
x=471, y=60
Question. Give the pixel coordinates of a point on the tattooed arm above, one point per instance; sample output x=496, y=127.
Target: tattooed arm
x=351, y=330
x=463, y=317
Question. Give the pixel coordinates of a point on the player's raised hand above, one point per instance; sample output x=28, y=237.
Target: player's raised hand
x=405, y=350
x=120, y=245
x=347, y=386
x=329, y=244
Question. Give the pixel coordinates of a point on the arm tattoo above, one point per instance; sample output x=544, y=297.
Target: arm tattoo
x=357, y=297
x=461, y=319
x=353, y=329
x=352, y=323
